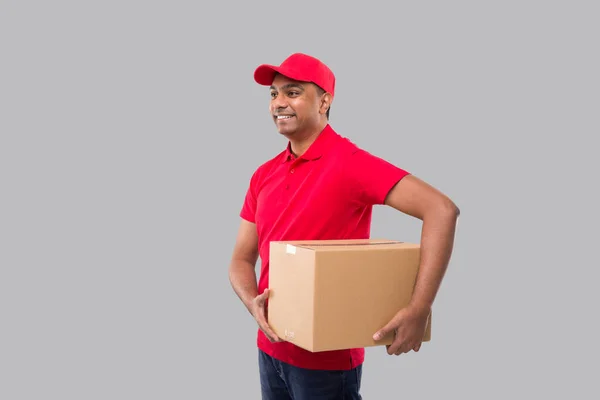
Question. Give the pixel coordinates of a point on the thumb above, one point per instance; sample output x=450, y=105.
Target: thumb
x=264, y=295
x=380, y=334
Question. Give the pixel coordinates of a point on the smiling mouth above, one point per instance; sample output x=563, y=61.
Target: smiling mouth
x=283, y=117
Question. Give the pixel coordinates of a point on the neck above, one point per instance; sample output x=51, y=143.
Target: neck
x=300, y=144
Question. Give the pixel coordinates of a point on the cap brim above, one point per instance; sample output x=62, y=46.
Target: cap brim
x=264, y=74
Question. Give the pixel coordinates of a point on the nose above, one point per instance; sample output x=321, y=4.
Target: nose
x=278, y=103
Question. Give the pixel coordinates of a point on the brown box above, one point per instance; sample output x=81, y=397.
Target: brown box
x=335, y=294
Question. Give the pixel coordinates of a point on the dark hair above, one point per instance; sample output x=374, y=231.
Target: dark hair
x=320, y=91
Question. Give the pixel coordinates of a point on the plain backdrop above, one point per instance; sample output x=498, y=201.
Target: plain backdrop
x=128, y=134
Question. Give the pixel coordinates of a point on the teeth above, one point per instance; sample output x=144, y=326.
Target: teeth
x=284, y=116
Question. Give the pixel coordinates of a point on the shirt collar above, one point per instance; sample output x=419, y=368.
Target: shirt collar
x=323, y=142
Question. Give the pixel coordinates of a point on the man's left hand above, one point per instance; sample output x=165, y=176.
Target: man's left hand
x=409, y=326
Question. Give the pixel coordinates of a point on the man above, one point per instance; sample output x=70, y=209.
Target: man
x=323, y=186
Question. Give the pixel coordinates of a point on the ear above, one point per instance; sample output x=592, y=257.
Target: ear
x=325, y=102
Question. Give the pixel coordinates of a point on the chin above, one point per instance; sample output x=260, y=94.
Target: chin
x=286, y=131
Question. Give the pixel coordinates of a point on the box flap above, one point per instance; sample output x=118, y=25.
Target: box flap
x=347, y=244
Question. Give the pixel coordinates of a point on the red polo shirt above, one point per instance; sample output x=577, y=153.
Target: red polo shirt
x=327, y=193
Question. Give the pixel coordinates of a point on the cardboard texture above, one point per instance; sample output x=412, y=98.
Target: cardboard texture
x=335, y=294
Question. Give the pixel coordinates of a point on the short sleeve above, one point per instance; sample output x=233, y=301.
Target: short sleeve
x=248, y=211
x=372, y=177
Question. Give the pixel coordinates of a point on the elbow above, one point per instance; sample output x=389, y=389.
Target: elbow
x=454, y=210
x=242, y=264
x=233, y=269
x=443, y=214
x=448, y=209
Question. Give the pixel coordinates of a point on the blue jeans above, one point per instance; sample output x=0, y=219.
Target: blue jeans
x=281, y=381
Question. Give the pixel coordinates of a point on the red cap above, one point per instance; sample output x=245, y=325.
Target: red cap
x=300, y=67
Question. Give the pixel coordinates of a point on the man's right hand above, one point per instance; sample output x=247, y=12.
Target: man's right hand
x=259, y=314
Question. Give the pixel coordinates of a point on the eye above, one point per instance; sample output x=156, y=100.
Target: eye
x=293, y=93
x=273, y=94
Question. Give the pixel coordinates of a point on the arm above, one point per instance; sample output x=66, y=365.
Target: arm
x=439, y=214
x=243, y=277
x=242, y=273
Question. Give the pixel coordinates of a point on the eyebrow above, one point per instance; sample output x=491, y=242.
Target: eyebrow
x=288, y=86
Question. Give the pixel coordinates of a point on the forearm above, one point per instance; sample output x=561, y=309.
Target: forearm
x=243, y=280
x=437, y=241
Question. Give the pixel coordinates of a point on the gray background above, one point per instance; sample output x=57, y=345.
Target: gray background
x=129, y=131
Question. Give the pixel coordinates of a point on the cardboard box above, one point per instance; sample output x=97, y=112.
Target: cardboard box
x=335, y=294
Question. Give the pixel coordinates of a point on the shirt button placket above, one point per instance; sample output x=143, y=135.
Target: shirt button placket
x=292, y=170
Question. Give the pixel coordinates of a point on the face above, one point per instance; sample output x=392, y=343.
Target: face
x=296, y=107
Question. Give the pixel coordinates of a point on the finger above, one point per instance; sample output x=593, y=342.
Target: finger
x=403, y=349
x=389, y=349
x=394, y=347
x=396, y=343
x=264, y=326
x=404, y=346
x=272, y=336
